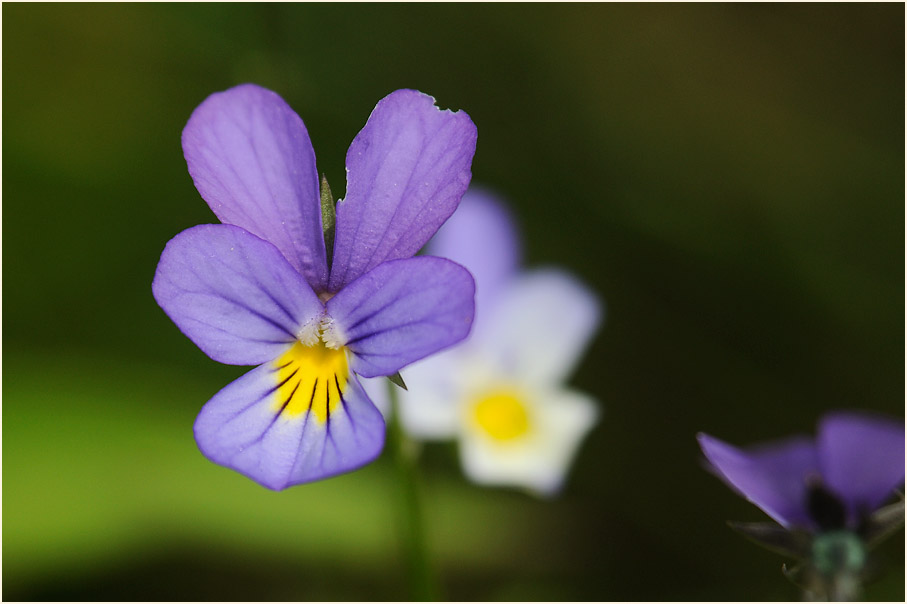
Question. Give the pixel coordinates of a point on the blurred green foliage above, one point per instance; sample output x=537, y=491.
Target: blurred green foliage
x=730, y=178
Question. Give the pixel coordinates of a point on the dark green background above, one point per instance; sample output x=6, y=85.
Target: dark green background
x=730, y=178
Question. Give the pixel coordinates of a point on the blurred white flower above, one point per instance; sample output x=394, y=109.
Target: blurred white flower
x=500, y=393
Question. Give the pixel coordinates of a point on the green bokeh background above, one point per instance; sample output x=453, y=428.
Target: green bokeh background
x=730, y=178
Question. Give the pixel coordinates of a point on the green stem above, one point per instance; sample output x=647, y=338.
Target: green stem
x=422, y=580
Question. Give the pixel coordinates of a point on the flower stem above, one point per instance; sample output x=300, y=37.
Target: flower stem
x=844, y=587
x=411, y=522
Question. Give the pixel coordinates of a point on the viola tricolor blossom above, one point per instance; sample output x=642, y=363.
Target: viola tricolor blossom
x=833, y=481
x=263, y=288
x=825, y=493
x=500, y=392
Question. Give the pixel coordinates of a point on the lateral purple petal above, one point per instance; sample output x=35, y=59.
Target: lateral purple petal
x=406, y=172
x=482, y=237
x=251, y=159
x=771, y=476
x=402, y=311
x=233, y=294
x=246, y=427
x=862, y=458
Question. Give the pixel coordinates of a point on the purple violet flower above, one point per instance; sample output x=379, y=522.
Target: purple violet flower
x=260, y=289
x=826, y=494
x=833, y=482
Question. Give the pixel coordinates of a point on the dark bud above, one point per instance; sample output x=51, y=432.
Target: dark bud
x=824, y=507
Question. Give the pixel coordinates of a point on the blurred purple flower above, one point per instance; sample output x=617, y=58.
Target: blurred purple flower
x=826, y=494
x=259, y=289
x=833, y=482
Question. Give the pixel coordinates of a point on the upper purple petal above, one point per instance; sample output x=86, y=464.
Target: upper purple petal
x=862, y=458
x=402, y=311
x=772, y=476
x=406, y=172
x=482, y=237
x=233, y=294
x=251, y=159
x=246, y=427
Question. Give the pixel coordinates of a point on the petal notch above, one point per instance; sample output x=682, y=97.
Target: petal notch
x=406, y=172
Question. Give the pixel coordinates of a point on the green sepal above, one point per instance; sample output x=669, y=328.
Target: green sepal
x=883, y=523
x=328, y=214
x=775, y=537
x=794, y=574
x=397, y=380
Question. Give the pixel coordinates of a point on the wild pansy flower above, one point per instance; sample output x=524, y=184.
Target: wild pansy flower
x=500, y=392
x=825, y=493
x=261, y=289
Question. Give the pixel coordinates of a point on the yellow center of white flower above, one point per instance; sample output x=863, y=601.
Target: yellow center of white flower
x=502, y=415
x=311, y=378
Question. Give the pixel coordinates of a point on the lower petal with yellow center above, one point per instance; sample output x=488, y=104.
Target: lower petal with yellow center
x=311, y=379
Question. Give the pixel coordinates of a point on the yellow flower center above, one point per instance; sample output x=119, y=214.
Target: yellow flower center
x=502, y=415
x=311, y=379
